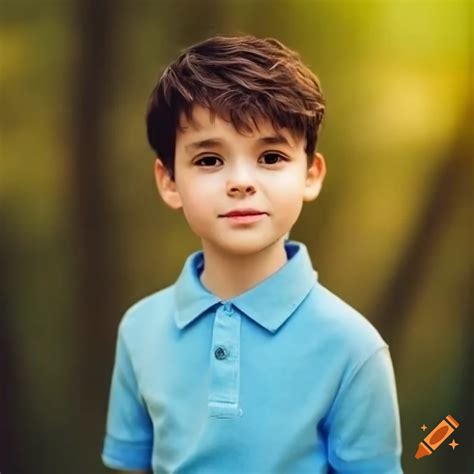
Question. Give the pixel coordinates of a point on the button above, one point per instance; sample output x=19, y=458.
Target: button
x=221, y=353
x=228, y=308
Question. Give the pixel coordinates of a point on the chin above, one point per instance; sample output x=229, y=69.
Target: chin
x=246, y=246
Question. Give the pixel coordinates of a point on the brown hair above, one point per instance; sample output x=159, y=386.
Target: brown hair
x=240, y=78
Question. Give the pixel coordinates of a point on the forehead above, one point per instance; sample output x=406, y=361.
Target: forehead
x=203, y=121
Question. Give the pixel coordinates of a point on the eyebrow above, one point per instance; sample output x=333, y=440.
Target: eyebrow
x=215, y=142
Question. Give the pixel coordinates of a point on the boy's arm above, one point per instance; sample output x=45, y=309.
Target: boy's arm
x=128, y=441
x=363, y=427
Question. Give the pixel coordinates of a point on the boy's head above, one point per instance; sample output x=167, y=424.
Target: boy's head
x=256, y=110
x=238, y=78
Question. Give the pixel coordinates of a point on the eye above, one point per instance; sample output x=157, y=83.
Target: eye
x=272, y=158
x=207, y=161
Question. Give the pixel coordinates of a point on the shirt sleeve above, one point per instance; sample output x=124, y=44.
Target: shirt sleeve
x=364, y=434
x=128, y=440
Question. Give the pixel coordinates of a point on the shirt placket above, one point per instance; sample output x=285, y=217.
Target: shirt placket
x=224, y=383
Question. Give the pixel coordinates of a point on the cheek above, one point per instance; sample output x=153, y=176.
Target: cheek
x=288, y=189
x=198, y=200
x=286, y=195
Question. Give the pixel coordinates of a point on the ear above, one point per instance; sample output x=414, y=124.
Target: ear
x=166, y=186
x=314, y=178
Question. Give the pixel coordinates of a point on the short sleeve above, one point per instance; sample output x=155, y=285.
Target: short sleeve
x=128, y=440
x=364, y=434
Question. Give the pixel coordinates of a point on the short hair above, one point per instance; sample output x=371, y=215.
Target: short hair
x=241, y=79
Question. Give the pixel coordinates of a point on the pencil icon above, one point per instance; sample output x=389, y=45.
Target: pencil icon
x=436, y=437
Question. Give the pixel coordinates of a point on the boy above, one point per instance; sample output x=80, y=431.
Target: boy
x=246, y=364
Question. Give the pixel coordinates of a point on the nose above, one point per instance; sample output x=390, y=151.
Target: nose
x=238, y=190
x=240, y=184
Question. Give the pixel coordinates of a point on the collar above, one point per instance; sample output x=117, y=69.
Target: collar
x=270, y=303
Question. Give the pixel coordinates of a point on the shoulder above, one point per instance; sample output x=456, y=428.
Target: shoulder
x=343, y=327
x=146, y=312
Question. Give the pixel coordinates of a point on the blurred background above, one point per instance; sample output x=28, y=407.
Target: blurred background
x=84, y=234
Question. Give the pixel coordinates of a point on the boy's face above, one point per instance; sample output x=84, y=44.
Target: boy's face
x=239, y=172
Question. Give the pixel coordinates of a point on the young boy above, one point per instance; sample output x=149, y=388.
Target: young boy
x=247, y=364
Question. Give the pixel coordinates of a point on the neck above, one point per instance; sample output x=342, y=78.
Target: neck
x=228, y=275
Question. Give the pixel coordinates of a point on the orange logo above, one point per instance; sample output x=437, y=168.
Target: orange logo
x=437, y=437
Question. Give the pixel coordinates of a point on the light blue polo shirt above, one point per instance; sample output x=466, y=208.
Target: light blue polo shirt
x=284, y=378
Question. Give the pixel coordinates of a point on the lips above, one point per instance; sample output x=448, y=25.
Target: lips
x=243, y=212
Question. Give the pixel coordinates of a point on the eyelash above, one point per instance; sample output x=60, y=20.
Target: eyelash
x=283, y=158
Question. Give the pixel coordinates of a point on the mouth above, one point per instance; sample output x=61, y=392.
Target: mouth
x=243, y=212
x=244, y=218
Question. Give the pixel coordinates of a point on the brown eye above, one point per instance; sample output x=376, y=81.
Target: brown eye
x=207, y=161
x=273, y=158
